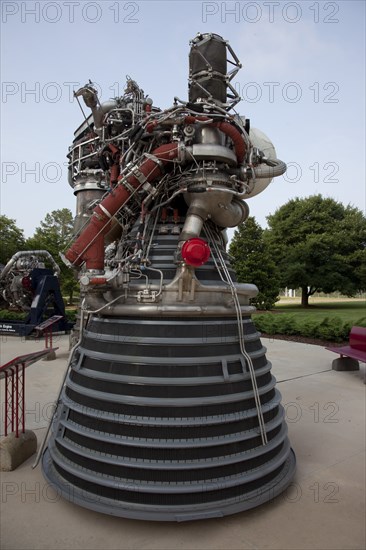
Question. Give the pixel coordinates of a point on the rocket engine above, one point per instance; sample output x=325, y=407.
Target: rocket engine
x=169, y=410
x=16, y=277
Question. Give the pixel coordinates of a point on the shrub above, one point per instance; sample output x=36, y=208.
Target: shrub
x=21, y=316
x=265, y=323
x=286, y=324
x=12, y=315
x=333, y=329
x=330, y=329
x=307, y=328
x=71, y=315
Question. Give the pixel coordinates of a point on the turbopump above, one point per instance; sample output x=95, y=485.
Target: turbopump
x=169, y=410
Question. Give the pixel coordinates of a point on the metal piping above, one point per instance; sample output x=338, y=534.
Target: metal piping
x=277, y=168
x=99, y=110
x=227, y=128
x=18, y=255
x=89, y=246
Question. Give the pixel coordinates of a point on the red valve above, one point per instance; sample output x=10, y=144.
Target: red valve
x=195, y=252
x=27, y=283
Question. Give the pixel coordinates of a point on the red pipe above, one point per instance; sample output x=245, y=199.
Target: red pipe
x=97, y=281
x=114, y=174
x=89, y=246
x=12, y=400
x=191, y=119
x=16, y=401
x=6, y=402
x=23, y=397
x=114, y=170
x=235, y=136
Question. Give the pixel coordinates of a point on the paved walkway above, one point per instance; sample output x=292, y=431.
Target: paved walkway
x=324, y=508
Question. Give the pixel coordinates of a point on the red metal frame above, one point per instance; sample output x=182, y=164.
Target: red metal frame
x=14, y=374
x=46, y=329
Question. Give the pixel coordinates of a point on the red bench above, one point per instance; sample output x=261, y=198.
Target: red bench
x=353, y=353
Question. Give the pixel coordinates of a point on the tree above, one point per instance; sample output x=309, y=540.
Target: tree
x=253, y=263
x=54, y=234
x=319, y=245
x=12, y=239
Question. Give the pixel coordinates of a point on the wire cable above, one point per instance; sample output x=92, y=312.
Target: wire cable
x=226, y=278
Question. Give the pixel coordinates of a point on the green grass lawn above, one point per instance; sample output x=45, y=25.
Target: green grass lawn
x=347, y=311
x=331, y=321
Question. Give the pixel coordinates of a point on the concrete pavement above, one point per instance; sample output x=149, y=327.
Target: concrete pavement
x=324, y=508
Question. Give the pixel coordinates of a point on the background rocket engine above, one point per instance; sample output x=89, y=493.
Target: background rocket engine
x=169, y=410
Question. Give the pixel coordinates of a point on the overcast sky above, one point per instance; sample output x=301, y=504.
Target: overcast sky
x=302, y=83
